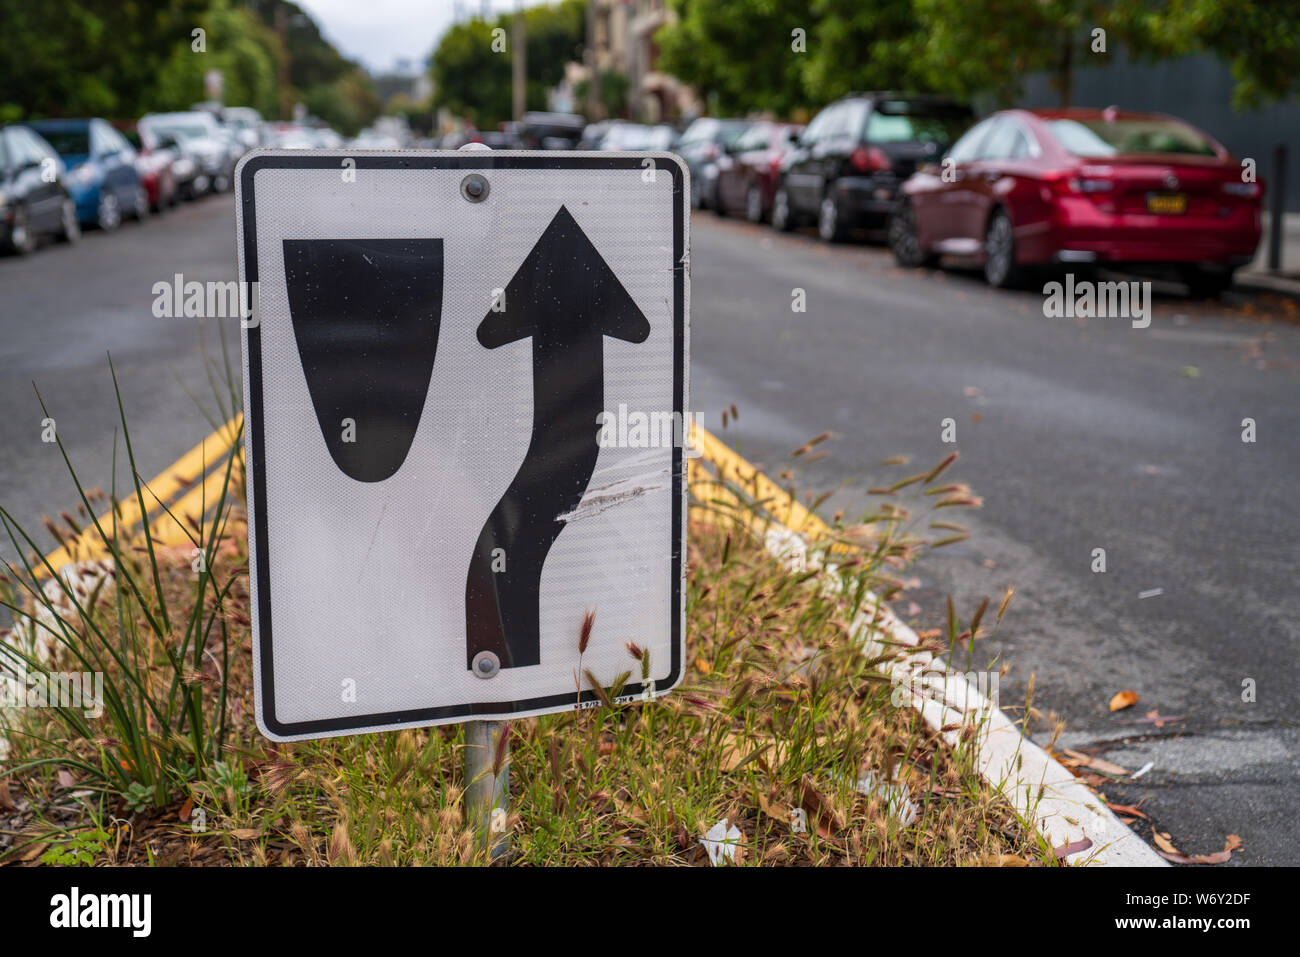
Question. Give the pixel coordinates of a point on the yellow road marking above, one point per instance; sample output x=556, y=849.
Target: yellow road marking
x=775, y=500
x=181, y=474
x=184, y=473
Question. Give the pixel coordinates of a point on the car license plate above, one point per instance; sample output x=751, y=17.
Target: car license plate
x=1167, y=204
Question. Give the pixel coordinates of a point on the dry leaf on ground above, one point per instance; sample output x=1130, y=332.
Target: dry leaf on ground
x=1123, y=699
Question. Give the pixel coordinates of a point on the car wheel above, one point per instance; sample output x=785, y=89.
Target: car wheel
x=1207, y=283
x=142, y=209
x=754, y=205
x=830, y=224
x=21, y=238
x=220, y=183
x=904, y=242
x=109, y=215
x=1000, y=252
x=782, y=214
x=70, y=226
x=695, y=194
x=715, y=201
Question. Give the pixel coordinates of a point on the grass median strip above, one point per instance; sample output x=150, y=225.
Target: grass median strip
x=782, y=746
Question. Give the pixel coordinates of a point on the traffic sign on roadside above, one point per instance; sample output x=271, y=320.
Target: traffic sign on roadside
x=465, y=403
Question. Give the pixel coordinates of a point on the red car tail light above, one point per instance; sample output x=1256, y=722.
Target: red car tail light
x=868, y=159
x=1084, y=182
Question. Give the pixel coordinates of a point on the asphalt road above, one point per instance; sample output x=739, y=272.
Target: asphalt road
x=63, y=311
x=1078, y=435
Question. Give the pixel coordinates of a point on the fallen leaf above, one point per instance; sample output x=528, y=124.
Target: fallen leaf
x=186, y=810
x=1125, y=809
x=1074, y=847
x=6, y=796
x=246, y=834
x=1095, y=763
x=1006, y=860
x=66, y=780
x=821, y=809
x=773, y=810
x=1218, y=857
x=1163, y=842
x=1123, y=699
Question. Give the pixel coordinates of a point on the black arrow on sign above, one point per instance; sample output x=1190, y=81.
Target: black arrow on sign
x=567, y=299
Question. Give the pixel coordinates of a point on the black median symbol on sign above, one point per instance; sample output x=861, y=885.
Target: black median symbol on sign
x=366, y=314
x=567, y=299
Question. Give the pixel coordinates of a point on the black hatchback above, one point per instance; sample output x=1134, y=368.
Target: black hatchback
x=33, y=199
x=845, y=171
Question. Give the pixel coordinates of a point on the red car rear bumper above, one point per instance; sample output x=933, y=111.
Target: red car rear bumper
x=1082, y=232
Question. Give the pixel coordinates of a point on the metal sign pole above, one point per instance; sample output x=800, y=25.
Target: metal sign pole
x=487, y=784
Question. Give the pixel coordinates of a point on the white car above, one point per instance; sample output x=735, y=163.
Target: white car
x=201, y=138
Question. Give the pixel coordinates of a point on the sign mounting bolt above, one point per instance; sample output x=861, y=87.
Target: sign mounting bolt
x=486, y=664
x=474, y=188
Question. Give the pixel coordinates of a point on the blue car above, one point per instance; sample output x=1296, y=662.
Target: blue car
x=101, y=173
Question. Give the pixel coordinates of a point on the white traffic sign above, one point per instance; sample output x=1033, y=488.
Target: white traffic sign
x=465, y=411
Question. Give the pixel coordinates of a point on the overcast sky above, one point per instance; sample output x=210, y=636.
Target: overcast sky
x=378, y=33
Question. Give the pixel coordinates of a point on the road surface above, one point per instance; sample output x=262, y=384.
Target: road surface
x=1078, y=436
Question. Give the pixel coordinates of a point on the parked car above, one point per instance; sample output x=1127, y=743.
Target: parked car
x=202, y=140
x=845, y=171
x=621, y=136
x=101, y=173
x=1027, y=187
x=245, y=122
x=702, y=144
x=33, y=199
x=748, y=173
x=156, y=165
x=551, y=131
x=592, y=134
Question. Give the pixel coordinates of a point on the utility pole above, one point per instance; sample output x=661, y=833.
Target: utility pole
x=282, y=77
x=589, y=54
x=520, y=63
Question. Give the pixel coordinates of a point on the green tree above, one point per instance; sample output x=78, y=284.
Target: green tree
x=474, y=80
x=88, y=57
x=740, y=55
x=237, y=44
x=1258, y=39
x=864, y=46
x=990, y=45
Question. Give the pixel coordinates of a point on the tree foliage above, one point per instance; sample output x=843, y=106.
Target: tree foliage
x=473, y=80
x=123, y=58
x=743, y=55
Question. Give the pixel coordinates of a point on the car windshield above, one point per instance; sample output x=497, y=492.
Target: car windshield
x=756, y=137
x=68, y=142
x=182, y=131
x=1101, y=137
x=916, y=123
x=729, y=133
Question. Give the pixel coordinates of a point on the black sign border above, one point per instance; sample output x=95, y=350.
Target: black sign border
x=469, y=160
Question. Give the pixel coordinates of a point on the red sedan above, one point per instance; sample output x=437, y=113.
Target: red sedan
x=749, y=169
x=1031, y=187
